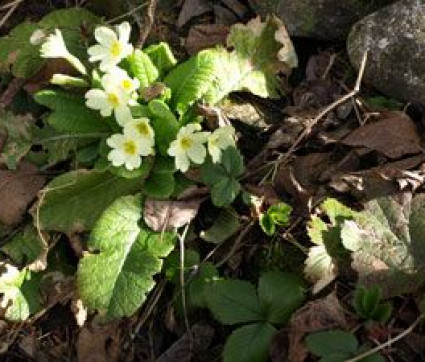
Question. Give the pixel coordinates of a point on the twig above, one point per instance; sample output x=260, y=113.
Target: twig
x=182, y=238
x=131, y=12
x=389, y=342
x=13, y=7
x=329, y=108
x=150, y=18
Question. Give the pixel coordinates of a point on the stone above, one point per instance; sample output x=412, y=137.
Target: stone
x=395, y=39
x=320, y=19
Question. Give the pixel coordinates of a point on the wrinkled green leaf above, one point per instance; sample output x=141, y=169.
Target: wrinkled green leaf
x=253, y=64
x=25, y=247
x=75, y=200
x=19, y=131
x=162, y=56
x=116, y=277
x=143, y=69
x=249, y=343
x=19, y=291
x=165, y=125
x=190, y=80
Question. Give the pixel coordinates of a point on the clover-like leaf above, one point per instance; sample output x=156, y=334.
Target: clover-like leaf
x=280, y=294
x=117, y=273
x=233, y=301
x=249, y=343
x=221, y=177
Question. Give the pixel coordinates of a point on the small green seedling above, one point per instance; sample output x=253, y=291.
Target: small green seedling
x=275, y=216
x=338, y=346
x=368, y=305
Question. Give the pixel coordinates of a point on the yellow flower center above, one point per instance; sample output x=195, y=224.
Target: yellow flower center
x=113, y=100
x=130, y=147
x=127, y=85
x=116, y=49
x=185, y=143
x=143, y=128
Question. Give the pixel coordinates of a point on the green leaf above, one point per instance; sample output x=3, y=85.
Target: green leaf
x=24, y=41
x=27, y=60
x=206, y=274
x=249, y=343
x=225, y=226
x=332, y=342
x=280, y=213
x=224, y=192
x=71, y=115
x=267, y=224
x=190, y=80
x=75, y=200
x=255, y=61
x=162, y=56
x=116, y=278
x=25, y=247
x=280, y=294
x=233, y=301
x=142, y=68
x=19, y=291
x=59, y=146
x=19, y=131
x=172, y=264
x=159, y=185
x=165, y=125
x=221, y=177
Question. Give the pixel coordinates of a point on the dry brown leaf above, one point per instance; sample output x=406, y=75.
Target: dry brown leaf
x=192, y=8
x=197, y=342
x=205, y=36
x=162, y=215
x=224, y=16
x=9, y=94
x=394, y=135
x=17, y=189
x=99, y=343
x=325, y=313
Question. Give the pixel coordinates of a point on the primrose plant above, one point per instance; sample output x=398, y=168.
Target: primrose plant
x=127, y=121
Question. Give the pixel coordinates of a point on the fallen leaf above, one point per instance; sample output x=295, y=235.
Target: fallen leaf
x=236, y=6
x=18, y=188
x=224, y=16
x=162, y=215
x=195, y=343
x=191, y=9
x=12, y=89
x=206, y=36
x=394, y=135
x=325, y=313
x=99, y=343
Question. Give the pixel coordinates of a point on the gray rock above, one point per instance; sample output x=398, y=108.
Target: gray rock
x=395, y=39
x=320, y=19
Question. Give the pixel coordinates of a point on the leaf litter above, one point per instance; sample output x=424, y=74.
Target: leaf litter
x=374, y=163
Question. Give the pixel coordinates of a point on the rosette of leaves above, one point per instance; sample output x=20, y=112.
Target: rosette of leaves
x=383, y=244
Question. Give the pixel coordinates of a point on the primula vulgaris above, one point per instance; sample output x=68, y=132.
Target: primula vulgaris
x=54, y=47
x=141, y=130
x=111, y=48
x=113, y=98
x=189, y=146
x=219, y=140
x=119, y=78
x=126, y=150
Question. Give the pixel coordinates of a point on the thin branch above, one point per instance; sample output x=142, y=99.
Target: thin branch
x=150, y=18
x=389, y=342
x=13, y=6
x=327, y=109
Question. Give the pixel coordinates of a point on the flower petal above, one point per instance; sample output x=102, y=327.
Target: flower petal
x=197, y=153
x=123, y=115
x=105, y=36
x=124, y=31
